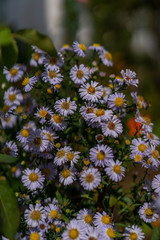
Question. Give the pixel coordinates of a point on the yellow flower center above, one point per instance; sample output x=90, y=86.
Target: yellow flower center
x=70, y=156
x=24, y=132
x=53, y=214
x=108, y=56
x=57, y=86
x=12, y=97
x=90, y=110
x=14, y=169
x=5, y=109
x=43, y=113
x=101, y=155
x=19, y=109
x=88, y=219
x=151, y=136
x=7, y=150
x=119, y=102
x=148, y=161
x=139, y=104
x=26, y=81
x=35, y=215
x=52, y=74
x=155, y=154
x=82, y=47
x=91, y=90
x=66, y=173
x=13, y=71
x=89, y=178
x=34, y=236
x=66, y=45
x=106, y=219
x=42, y=226
x=110, y=233
x=57, y=118
x=36, y=56
x=111, y=125
x=128, y=78
x=117, y=169
x=80, y=74
x=133, y=236
x=100, y=112
x=149, y=212
x=58, y=229
x=92, y=238
x=138, y=158
x=61, y=153
x=33, y=177
x=96, y=45
x=142, y=147
x=46, y=172
x=65, y=105
x=37, y=141
x=73, y=233
x=86, y=161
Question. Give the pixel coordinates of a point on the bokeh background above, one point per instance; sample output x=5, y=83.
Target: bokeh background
x=130, y=30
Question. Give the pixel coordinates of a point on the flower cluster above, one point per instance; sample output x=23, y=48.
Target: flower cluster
x=66, y=121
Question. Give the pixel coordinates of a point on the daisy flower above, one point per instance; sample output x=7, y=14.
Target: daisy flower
x=52, y=212
x=106, y=92
x=28, y=83
x=58, y=122
x=51, y=135
x=79, y=48
x=139, y=146
x=50, y=62
x=72, y=157
x=97, y=47
x=37, y=141
x=13, y=96
x=147, y=125
x=147, y=213
x=106, y=58
x=130, y=77
x=90, y=178
x=87, y=109
x=34, y=216
x=91, y=233
x=23, y=135
x=114, y=170
x=10, y=148
x=61, y=155
x=36, y=235
x=37, y=57
x=137, y=157
x=49, y=171
x=14, y=74
x=68, y=175
x=9, y=121
x=65, y=107
x=107, y=232
x=156, y=183
x=133, y=233
x=99, y=115
x=75, y=230
x=154, y=156
x=101, y=220
x=152, y=139
x=117, y=101
x=32, y=179
x=99, y=138
x=100, y=155
x=66, y=47
x=113, y=127
x=85, y=216
x=91, y=92
x=53, y=75
x=43, y=113
x=79, y=75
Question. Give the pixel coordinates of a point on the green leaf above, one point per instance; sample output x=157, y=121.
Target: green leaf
x=156, y=234
x=9, y=54
x=33, y=37
x=9, y=212
x=112, y=201
x=5, y=36
x=4, y=158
